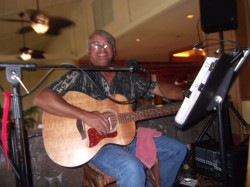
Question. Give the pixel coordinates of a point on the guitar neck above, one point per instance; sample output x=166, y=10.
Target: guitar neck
x=148, y=114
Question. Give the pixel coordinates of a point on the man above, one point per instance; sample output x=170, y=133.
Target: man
x=119, y=162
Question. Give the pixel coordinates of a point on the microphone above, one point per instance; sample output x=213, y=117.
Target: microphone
x=135, y=66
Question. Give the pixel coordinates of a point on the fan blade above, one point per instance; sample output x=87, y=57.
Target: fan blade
x=60, y=22
x=25, y=30
x=14, y=20
x=52, y=30
x=56, y=24
x=37, y=54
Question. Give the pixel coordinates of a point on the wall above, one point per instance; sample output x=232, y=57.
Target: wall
x=123, y=15
x=240, y=91
x=243, y=35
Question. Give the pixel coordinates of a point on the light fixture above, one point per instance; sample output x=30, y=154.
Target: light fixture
x=190, y=53
x=40, y=23
x=189, y=16
x=25, y=53
x=39, y=28
x=182, y=54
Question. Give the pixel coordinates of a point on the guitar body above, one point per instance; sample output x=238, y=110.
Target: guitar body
x=64, y=143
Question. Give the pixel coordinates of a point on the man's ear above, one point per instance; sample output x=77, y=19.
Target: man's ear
x=114, y=51
x=87, y=51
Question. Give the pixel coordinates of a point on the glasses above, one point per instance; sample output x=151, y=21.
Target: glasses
x=97, y=45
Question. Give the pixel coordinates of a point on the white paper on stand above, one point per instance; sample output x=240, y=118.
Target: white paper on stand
x=200, y=79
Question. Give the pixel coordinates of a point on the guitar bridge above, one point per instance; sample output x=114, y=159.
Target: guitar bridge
x=110, y=124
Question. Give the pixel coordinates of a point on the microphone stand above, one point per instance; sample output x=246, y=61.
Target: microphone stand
x=13, y=75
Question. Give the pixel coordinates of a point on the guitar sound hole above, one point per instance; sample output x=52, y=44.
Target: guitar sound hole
x=112, y=118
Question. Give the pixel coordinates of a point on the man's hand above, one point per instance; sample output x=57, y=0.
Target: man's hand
x=98, y=121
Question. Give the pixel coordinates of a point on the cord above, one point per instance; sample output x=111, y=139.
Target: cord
x=234, y=46
x=39, y=83
x=114, y=100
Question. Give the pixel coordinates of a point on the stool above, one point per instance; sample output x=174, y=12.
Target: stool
x=93, y=177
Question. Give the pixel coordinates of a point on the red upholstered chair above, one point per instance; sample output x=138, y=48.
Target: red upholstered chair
x=93, y=177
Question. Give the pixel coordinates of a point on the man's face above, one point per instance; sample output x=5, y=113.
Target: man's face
x=100, y=51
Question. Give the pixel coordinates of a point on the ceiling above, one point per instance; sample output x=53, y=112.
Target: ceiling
x=167, y=31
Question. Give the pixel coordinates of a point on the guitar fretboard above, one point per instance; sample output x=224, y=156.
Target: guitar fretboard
x=148, y=114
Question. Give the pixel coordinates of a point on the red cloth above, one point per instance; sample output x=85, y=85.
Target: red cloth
x=145, y=146
x=4, y=125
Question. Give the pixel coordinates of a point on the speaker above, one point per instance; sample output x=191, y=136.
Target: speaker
x=207, y=161
x=218, y=15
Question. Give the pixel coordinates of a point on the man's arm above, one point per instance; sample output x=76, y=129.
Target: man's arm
x=168, y=91
x=53, y=103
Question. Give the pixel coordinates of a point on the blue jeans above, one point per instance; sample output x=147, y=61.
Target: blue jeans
x=122, y=164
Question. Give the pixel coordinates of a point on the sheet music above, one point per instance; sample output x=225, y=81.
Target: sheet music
x=195, y=90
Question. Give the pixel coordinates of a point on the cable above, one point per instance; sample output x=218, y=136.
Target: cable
x=114, y=100
x=234, y=46
x=39, y=83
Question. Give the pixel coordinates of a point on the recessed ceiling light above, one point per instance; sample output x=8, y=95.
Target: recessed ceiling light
x=137, y=39
x=189, y=16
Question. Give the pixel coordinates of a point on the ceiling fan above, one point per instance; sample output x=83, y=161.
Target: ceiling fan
x=39, y=20
x=26, y=53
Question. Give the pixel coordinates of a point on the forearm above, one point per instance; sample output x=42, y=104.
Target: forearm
x=53, y=103
x=169, y=91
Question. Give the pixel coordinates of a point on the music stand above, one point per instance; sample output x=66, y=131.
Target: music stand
x=212, y=93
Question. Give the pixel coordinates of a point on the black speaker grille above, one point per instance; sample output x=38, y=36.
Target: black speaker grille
x=218, y=15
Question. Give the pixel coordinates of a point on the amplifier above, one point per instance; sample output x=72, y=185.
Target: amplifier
x=207, y=161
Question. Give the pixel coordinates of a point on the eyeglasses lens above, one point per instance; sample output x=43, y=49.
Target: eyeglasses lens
x=97, y=45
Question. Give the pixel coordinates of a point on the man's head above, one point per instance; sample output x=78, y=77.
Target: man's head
x=101, y=48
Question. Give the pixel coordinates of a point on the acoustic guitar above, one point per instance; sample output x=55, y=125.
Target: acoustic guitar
x=70, y=142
